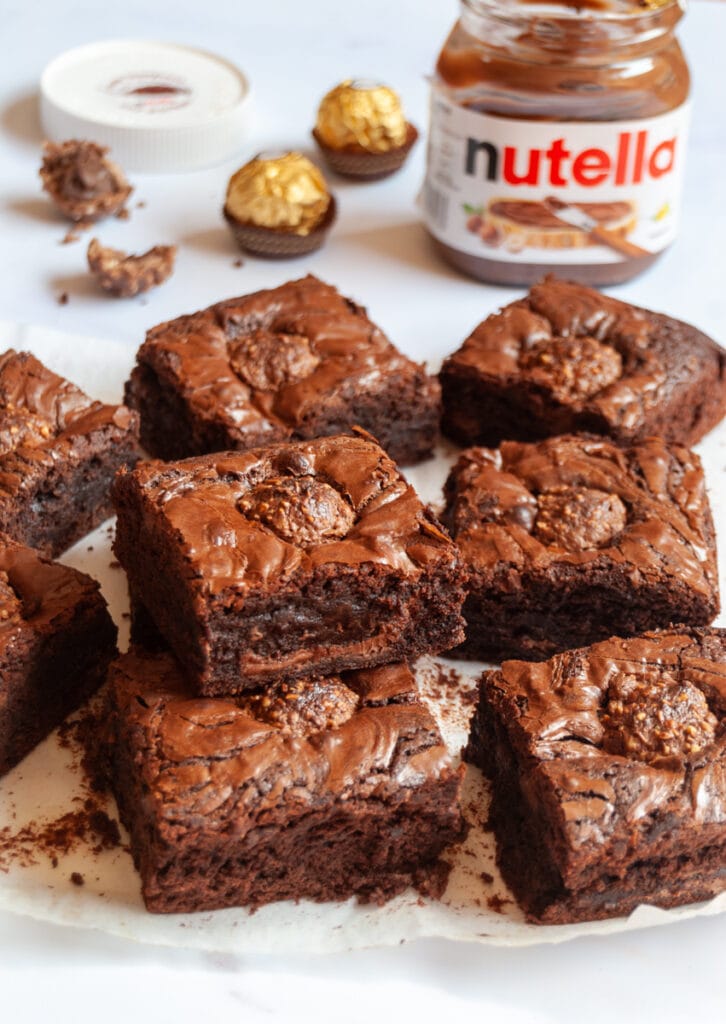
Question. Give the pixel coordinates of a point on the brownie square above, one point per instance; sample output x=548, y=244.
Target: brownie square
x=281, y=562
x=574, y=539
x=567, y=359
x=609, y=774
x=59, y=451
x=323, y=789
x=298, y=361
x=56, y=643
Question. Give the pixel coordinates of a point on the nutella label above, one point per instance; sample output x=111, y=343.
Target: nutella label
x=553, y=191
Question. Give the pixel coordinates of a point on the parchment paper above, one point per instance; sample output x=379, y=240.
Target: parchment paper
x=49, y=782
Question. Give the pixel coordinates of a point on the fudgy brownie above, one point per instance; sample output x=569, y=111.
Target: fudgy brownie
x=59, y=451
x=321, y=789
x=566, y=358
x=609, y=774
x=56, y=643
x=299, y=558
x=573, y=539
x=298, y=361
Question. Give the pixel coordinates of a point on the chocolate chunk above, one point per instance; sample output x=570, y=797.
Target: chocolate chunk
x=572, y=368
x=81, y=181
x=579, y=518
x=304, y=707
x=301, y=510
x=655, y=715
x=125, y=276
x=268, y=361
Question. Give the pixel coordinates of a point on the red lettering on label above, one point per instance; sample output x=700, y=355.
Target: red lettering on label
x=556, y=154
x=639, y=157
x=621, y=166
x=509, y=173
x=591, y=167
x=662, y=159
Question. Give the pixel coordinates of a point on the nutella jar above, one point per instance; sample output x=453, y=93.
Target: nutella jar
x=557, y=139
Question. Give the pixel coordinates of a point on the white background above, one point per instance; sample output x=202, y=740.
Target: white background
x=294, y=52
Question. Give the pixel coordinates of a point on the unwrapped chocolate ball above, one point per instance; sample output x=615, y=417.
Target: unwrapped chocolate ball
x=279, y=205
x=362, y=130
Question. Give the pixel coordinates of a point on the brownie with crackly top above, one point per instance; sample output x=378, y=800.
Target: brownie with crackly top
x=608, y=766
x=298, y=361
x=56, y=642
x=322, y=789
x=574, y=539
x=59, y=451
x=299, y=558
x=566, y=358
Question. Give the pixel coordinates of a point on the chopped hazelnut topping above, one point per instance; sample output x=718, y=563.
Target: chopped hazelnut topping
x=656, y=715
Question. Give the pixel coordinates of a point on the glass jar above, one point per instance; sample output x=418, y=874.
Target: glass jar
x=557, y=139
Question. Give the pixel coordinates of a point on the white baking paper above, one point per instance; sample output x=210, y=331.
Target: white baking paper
x=48, y=784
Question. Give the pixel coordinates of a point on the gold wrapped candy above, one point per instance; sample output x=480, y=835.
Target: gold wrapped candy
x=286, y=192
x=363, y=115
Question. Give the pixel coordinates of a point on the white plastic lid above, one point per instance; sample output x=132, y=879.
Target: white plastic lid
x=157, y=106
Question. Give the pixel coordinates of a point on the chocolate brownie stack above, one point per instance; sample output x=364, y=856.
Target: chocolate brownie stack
x=585, y=520
x=268, y=740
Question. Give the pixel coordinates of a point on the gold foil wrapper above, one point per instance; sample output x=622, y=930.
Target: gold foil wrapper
x=286, y=191
x=364, y=115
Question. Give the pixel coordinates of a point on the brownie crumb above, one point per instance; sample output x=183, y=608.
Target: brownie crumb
x=497, y=904
x=238, y=263
x=123, y=214
x=77, y=878
x=63, y=299
x=486, y=878
x=114, y=565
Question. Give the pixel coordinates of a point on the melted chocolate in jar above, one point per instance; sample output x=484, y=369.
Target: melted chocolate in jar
x=567, y=64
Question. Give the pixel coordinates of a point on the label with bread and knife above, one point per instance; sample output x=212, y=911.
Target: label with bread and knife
x=553, y=191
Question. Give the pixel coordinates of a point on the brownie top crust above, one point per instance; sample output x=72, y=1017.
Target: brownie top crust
x=276, y=755
x=622, y=743
x=590, y=353
x=255, y=518
x=578, y=500
x=263, y=362
x=34, y=591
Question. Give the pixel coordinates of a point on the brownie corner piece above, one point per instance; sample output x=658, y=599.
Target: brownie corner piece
x=297, y=361
x=608, y=767
x=280, y=562
x=59, y=451
x=568, y=359
x=57, y=640
x=320, y=789
x=572, y=539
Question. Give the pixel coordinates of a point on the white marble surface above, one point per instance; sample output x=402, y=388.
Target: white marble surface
x=293, y=53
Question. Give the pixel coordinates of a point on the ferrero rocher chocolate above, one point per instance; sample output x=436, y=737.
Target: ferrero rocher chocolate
x=362, y=130
x=279, y=205
x=361, y=114
x=286, y=191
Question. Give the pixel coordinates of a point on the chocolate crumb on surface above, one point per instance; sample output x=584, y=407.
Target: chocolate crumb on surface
x=77, y=878
x=63, y=299
x=124, y=275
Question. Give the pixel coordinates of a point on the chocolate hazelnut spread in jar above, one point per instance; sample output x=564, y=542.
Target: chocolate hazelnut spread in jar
x=557, y=139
